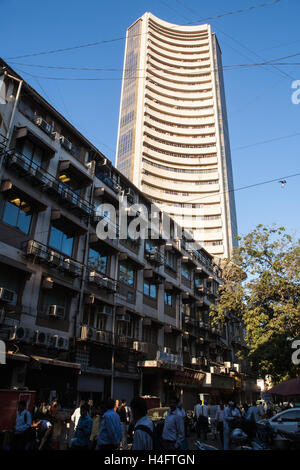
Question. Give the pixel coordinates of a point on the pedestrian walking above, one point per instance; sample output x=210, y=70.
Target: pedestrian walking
x=173, y=431
x=96, y=417
x=23, y=427
x=124, y=412
x=110, y=433
x=202, y=419
x=220, y=421
x=143, y=430
x=83, y=430
x=227, y=421
x=76, y=415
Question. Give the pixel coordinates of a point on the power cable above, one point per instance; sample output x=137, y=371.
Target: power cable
x=97, y=43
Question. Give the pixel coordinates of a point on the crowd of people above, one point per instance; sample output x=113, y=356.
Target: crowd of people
x=115, y=425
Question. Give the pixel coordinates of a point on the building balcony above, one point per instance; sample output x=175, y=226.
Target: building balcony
x=101, y=281
x=170, y=92
x=178, y=60
x=158, y=42
x=156, y=93
x=181, y=140
x=173, y=111
x=46, y=255
x=178, y=121
x=46, y=183
x=165, y=157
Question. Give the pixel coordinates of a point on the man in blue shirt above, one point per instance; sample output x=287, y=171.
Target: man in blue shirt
x=173, y=432
x=143, y=430
x=110, y=433
x=83, y=430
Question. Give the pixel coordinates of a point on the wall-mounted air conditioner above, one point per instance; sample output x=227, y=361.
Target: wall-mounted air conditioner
x=86, y=333
x=56, y=311
x=39, y=337
x=102, y=336
x=124, y=318
x=65, y=143
x=104, y=310
x=167, y=350
x=43, y=124
x=8, y=296
x=21, y=333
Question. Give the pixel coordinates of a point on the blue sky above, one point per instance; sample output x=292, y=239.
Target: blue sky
x=258, y=99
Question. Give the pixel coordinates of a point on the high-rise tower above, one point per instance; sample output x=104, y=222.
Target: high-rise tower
x=173, y=136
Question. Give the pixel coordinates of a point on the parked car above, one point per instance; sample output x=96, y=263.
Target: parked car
x=288, y=420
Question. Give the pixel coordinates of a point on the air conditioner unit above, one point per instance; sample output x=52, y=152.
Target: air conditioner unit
x=125, y=317
x=102, y=336
x=96, y=278
x=39, y=337
x=213, y=370
x=167, y=350
x=185, y=349
x=227, y=365
x=54, y=258
x=104, y=310
x=201, y=353
x=43, y=124
x=139, y=346
x=86, y=333
x=196, y=361
x=8, y=296
x=73, y=267
x=20, y=333
x=36, y=249
x=237, y=367
x=63, y=343
x=65, y=142
x=111, y=285
x=213, y=330
x=201, y=324
x=56, y=311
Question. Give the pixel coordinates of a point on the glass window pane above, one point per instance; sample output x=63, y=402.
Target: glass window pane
x=38, y=156
x=10, y=215
x=146, y=288
x=24, y=220
x=153, y=291
x=67, y=245
x=28, y=149
x=55, y=238
x=97, y=261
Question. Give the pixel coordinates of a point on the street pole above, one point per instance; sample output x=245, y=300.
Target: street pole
x=114, y=335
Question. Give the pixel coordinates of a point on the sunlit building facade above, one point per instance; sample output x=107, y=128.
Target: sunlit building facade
x=173, y=139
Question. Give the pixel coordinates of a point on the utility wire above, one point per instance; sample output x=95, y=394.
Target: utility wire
x=97, y=43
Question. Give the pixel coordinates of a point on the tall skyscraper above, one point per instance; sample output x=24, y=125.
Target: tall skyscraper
x=173, y=138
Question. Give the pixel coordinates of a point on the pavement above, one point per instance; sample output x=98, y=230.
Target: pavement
x=210, y=441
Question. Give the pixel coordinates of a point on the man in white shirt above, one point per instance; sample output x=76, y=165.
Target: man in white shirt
x=143, y=430
x=253, y=413
x=173, y=431
x=76, y=415
x=201, y=411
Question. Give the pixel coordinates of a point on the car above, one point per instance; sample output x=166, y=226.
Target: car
x=287, y=420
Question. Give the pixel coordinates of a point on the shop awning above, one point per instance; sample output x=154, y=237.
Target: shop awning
x=17, y=356
x=56, y=362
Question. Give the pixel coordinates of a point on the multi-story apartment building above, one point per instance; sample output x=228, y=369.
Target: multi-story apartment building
x=82, y=316
x=173, y=139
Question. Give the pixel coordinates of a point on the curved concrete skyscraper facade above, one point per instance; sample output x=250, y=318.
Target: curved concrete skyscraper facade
x=173, y=135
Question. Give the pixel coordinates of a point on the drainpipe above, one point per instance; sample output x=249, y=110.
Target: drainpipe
x=114, y=334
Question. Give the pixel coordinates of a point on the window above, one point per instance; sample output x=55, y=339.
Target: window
x=185, y=272
x=129, y=329
x=171, y=260
x=150, y=289
x=57, y=296
x=150, y=335
x=150, y=246
x=31, y=151
x=61, y=241
x=17, y=213
x=168, y=299
x=97, y=261
x=127, y=275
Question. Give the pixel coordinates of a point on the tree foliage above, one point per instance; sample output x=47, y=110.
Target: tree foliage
x=262, y=288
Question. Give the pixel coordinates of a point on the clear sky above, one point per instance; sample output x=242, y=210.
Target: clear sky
x=258, y=98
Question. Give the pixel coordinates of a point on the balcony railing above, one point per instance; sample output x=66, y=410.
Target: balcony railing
x=44, y=254
x=100, y=280
x=46, y=182
x=154, y=257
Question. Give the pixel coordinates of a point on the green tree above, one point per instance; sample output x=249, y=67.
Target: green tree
x=262, y=288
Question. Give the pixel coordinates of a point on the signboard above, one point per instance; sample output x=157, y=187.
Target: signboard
x=188, y=377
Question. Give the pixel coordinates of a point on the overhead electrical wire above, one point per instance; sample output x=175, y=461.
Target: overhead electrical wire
x=97, y=43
